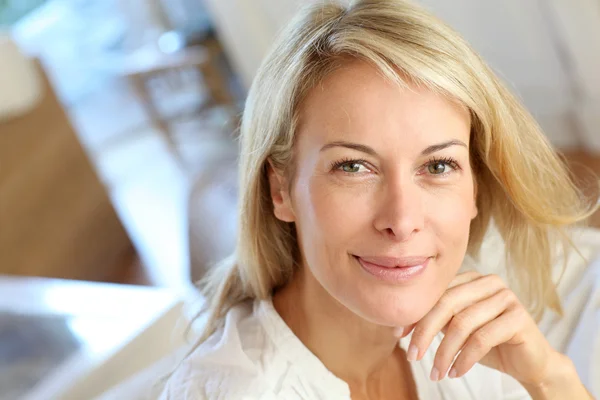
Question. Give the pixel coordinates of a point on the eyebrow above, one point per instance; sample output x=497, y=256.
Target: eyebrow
x=437, y=147
x=368, y=150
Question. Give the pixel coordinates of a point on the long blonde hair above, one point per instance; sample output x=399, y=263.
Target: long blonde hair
x=523, y=186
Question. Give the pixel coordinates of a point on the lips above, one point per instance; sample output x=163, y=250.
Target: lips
x=394, y=270
x=393, y=262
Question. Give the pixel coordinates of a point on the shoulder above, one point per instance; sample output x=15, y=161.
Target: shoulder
x=236, y=362
x=189, y=382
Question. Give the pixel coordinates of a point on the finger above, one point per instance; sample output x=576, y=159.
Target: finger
x=462, y=326
x=464, y=278
x=403, y=331
x=452, y=302
x=482, y=341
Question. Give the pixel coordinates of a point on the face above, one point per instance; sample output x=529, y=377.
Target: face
x=382, y=195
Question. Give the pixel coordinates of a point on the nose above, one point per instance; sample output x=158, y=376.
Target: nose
x=400, y=213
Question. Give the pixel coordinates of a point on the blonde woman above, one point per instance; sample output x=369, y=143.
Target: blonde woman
x=376, y=149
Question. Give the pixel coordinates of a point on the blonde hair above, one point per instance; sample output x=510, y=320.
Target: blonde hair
x=522, y=184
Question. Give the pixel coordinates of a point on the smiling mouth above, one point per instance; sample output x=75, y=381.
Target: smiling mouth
x=394, y=270
x=395, y=262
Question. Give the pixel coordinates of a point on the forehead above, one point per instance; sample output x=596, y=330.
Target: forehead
x=357, y=99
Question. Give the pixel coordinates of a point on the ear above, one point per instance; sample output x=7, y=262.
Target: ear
x=282, y=205
x=475, y=191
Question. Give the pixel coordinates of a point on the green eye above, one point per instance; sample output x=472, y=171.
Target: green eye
x=437, y=168
x=351, y=167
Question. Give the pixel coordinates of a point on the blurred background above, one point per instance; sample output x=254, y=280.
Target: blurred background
x=118, y=125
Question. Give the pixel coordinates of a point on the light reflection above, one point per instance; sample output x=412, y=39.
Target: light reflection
x=136, y=304
x=100, y=336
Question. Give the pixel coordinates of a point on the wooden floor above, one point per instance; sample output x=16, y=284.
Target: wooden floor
x=56, y=218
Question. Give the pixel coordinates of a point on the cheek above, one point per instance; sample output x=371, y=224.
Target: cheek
x=339, y=211
x=450, y=214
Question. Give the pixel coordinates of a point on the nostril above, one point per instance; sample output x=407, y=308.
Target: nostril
x=389, y=232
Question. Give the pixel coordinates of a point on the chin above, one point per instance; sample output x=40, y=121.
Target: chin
x=396, y=305
x=402, y=313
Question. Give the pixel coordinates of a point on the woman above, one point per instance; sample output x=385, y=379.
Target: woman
x=376, y=148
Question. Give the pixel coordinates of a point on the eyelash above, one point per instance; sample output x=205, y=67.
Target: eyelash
x=337, y=164
x=434, y=160
x=444, y=160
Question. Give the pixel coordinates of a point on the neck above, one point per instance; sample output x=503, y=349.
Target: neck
x=355, y=350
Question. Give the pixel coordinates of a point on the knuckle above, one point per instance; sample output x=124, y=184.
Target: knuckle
x=480, y=341
x=473, y=274
x=460, y=323
x=494, y=280
x=507, y=296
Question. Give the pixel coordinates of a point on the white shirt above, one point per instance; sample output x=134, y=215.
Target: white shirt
x=257, y=357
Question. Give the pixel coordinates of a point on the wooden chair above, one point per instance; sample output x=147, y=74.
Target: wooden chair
x=149, y=65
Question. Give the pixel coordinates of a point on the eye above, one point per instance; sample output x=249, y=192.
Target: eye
x=350, y=166
x=442, y=166
x=437, y=168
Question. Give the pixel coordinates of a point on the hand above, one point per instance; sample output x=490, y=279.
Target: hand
x=483, y=320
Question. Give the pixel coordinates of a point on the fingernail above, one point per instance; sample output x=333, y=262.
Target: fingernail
x=413, y=353
x=399, y=331
x=435, y=374
x=452, y=373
